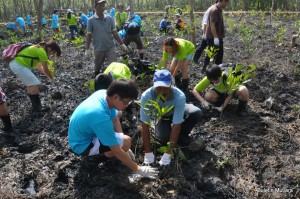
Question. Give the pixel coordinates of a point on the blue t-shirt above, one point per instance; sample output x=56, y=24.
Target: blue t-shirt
x=91, y=13
x=112, y=12
x=44, y=21
x=163, y=23
x=84, y=19
x=55, y=21
x=137, y=19
x=11, y=26
x=28, y=18
x=20, y=21
x=92, y=118
x=176, y=98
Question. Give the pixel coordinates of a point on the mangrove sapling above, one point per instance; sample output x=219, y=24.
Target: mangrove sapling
x=211, y=52
x=78, y=43
x=235, y=77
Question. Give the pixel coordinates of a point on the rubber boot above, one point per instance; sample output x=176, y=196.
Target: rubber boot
x=185, y=85
x=178, y=81
x=36, y=104
x=141, y=56
x=242, y=108
x=6, y=123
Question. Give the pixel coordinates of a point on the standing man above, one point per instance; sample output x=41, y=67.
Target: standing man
x=216, y=32
x=173, y=127
x=102, y=30
x=112, y=11
x=203, y=44
x=55, y=22
x=95, y=129
x=29, y=20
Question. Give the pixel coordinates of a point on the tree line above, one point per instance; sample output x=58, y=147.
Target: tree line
x=10, y=9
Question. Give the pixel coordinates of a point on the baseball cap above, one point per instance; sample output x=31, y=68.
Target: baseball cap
x=69, y=10
x=177, y=14
x=100, y=1
x=162, y=78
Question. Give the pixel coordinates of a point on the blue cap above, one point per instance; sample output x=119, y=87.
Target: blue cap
x=162, y=78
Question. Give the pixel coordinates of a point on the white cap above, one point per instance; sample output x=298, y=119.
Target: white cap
x=69, y=10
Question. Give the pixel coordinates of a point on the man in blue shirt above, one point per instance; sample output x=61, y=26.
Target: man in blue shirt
x=164, y=26
x=55, y=21
x=112, y=11
x=173, y=126
x=11, y=26
x=83, y=20
x=20, y=24
x=29, y=21
x=95, y=129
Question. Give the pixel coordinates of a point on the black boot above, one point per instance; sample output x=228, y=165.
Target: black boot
x=242, y=108
x=185, y=85
x=6, y=123
x=178, y=81
x=36, y=104
x=141, y=56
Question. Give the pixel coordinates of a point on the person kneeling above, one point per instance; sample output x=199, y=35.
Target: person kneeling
x=220, y=94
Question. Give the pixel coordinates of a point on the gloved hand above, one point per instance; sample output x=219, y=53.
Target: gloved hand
x=124, y=47
x=147, y=172
x=131, y=154
x=219, y=108
x=205, y=105
x=204, y=36
x=216, y=41
x=165, y=159
x=149, y=158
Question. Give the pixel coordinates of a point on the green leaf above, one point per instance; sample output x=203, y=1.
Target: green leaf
x=162, y=149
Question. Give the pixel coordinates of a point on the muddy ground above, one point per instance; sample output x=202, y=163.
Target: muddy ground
x=252, y=157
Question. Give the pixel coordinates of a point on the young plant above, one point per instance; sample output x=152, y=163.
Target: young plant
x=211, y=52
x=239, y=75
x=221, y=163
x=78, y=43
x=90, y=85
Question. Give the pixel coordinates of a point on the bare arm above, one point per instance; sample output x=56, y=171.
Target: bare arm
x=174, y=66
x=88, y=40
x=117, y=125
x=198, y=96
x=43, y=67
x=213, y=29
x=125, y=159
x=146, y=137
x=116, y=36
x=226, y=102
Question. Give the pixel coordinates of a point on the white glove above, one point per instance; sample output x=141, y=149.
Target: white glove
x=205, y=105
x=165, y=159
x=204, y=36
x=131, y=154
x=216, y=41
x=147, y=172
x=219, y=108
x=149, y=158
x=124, y=47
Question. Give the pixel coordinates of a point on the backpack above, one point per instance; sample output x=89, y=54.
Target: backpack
x=12, y=51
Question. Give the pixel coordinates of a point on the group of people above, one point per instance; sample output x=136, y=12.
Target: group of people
x=19, y=25
x=103, y=135
x=165, y=26
x=95, y=128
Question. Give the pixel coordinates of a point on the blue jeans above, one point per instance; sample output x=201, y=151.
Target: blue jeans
x=72, y=29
